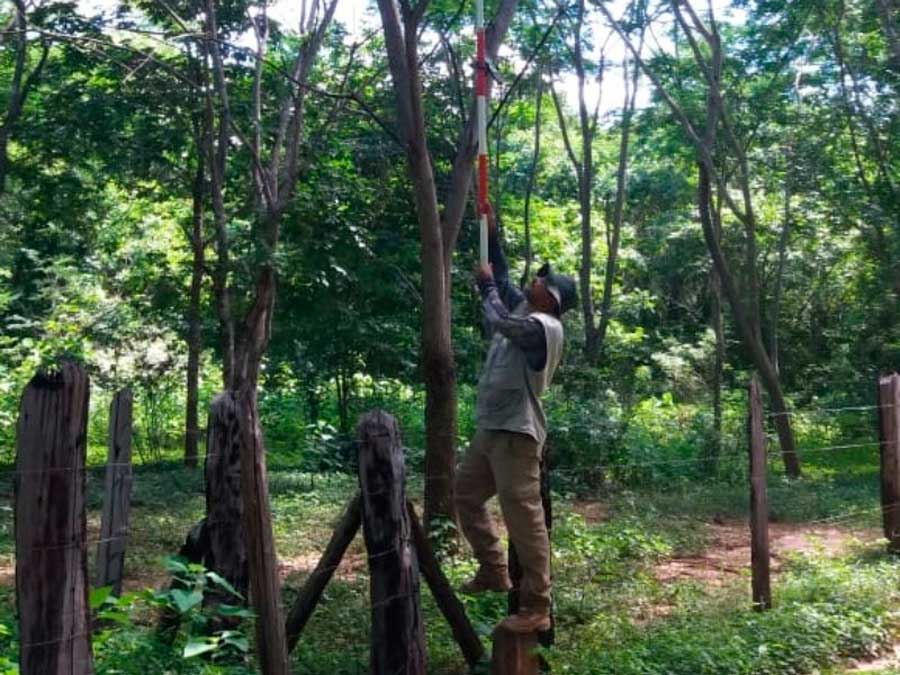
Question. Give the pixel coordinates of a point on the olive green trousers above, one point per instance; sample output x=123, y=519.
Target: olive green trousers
x=507, y=464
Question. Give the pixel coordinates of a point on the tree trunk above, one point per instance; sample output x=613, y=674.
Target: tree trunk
x=532, y=174
x=265, y=586
x=619, y=207
x=585, y=185
x=748, y=326
x=783, y=240
x=194, y=343
x=717, y=319
x=437, y=240
x=51, y=525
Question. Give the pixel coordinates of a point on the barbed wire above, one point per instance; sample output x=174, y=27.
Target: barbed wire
x=818, y=411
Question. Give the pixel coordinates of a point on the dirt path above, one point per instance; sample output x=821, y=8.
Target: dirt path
x=728, y=554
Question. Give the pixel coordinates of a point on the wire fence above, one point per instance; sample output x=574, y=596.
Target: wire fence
x=733, y=448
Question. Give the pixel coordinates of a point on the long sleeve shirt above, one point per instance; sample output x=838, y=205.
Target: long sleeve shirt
x=506, y=309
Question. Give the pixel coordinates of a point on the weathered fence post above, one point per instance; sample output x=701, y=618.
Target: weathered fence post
x=759, y=502
x=265, y=587
x=397, y=636
x=312, y=590
x=889, y=437
x=116, y=495
x=51, y=527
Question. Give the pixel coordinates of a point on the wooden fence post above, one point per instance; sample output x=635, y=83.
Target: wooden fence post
x=116, y=495
x=759, y=502
x=265, y=586
x=397, y=635
x=889, y=437
x=51, y=527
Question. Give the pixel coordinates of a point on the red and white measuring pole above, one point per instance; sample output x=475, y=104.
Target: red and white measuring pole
x=481, y=94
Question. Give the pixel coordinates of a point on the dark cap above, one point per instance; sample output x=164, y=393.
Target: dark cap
x=561, y=286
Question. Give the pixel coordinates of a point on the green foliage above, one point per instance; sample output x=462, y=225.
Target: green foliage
x=825, y=610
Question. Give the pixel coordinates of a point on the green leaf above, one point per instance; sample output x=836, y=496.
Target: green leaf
x=99, y=595
x=176, y=565
x=236, y=639
x=235, y=610
x=197, y=646
x=185, y=600
x=115, y=615
x=219, y=580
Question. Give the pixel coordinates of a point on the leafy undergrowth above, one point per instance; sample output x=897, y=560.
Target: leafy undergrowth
x=614, y=614
x=826, y=610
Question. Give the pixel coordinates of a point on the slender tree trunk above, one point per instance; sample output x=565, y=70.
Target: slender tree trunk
x=532, y=173
x=748, y=325
x=783, y=240
x=437, y=239
x=718, y=325
x=194, y=342
x=585, y=185
x=19, y=85
x=619, y=206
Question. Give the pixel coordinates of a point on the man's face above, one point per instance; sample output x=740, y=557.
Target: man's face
x=539, y=297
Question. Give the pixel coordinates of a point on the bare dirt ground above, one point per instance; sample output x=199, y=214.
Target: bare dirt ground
x=728, y=554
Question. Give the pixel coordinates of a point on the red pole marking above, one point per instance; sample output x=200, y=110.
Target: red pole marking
x=481, y=65
x=482, y=184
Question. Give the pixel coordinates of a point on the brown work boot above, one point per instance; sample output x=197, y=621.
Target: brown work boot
x=527, y=621
x=492, y=578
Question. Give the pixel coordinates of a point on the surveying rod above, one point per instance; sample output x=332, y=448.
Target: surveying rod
x=481, y=92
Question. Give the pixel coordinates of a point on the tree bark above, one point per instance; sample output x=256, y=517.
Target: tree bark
x=437, y=240
x=619, y=205
x=749, y=329
x=194, y=341
x=265, y=586
x=717, y=319
x=19, y=86
x=585, y=185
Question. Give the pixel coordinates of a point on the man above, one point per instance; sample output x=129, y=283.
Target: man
x=504, y=456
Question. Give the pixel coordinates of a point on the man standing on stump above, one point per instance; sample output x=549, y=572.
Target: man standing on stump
x=505, y=454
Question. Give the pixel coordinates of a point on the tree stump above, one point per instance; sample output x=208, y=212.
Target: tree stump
x=116, y=496
x=225, y=551
x=51, y=527
x=397, y=635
